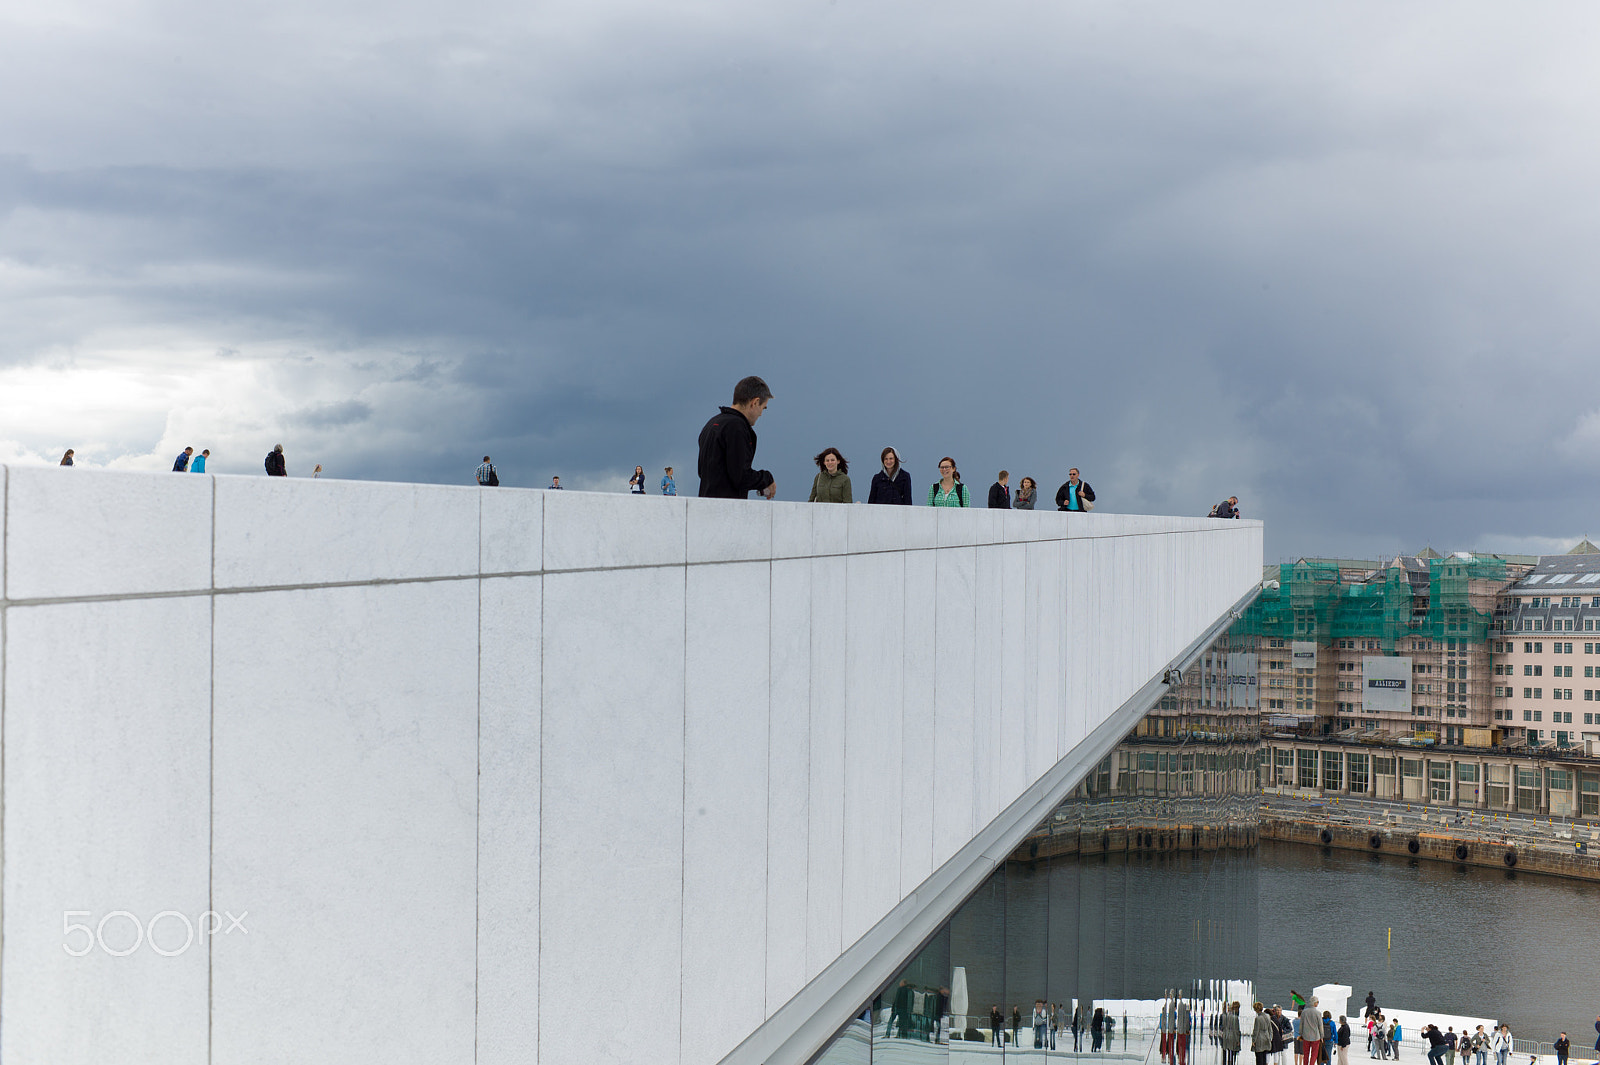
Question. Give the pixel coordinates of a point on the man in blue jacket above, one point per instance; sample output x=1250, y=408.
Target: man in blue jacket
x=728, y=446
x=181, y=463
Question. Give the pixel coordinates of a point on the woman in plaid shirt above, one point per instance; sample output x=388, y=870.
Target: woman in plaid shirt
x=947, y=491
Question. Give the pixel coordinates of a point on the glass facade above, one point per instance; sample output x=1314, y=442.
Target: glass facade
x=1124, y=924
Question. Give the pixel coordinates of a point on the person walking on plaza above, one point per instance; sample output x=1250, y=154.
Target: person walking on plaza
x=275, y=463
x=669, y=487
x=1394, y=1039
x=1436, y=1047
x=1329, y=1034
x=1027, y=494
x=947, y=491
x=636, y=482
x=832, y=483
x=728, y=446
x=198, y=463
x=1000, y=492
x=1097, y=1028
x=997, y=1024
x=1342, y=1037
x=1016, y=1024
x=1079, y=1022
x=1076, y=494
x=1282, y=1033
x=891, y=484
x=1041, y=1023
x=1228, y=1034
x=1372, y=1005
x=1480, y=1046
x=1450, y=1046
x=1311, y=1034
x=1262, y=1031
x=66, y=460
x=1500, y=1044
x=181, y=463
x=486, y=474
x=1563, y=1048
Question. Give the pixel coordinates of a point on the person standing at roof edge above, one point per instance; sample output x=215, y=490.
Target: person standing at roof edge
x=947, y=491
x=892, y=484
x=1076, y=494
x=636, y=482
x=1000, y=492
x=486, y=475
x=832, y=483
x=728, y=446
x=198, y=463
x=181, y=463
x=669, y=487
x=275, y=463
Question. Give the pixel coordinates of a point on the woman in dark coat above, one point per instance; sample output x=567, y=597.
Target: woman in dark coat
x=890, y=484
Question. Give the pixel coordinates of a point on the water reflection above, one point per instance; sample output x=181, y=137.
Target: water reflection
x=1123, y=926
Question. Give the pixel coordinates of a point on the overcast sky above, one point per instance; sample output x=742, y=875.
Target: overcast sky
x=1341, y=260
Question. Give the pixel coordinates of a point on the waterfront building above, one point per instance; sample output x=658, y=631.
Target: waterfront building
x=1484, y=779
x=1546, y=673
x=1391, y=650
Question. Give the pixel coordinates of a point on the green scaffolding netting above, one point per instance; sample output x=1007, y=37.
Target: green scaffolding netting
x=1314, y=602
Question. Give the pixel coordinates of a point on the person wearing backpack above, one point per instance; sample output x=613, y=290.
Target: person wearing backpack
x=486, y=474
x=947, y=491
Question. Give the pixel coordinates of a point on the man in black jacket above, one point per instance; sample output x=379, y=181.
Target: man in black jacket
x=728, y=446
x=1075, y=493
x=275, y=464
x=1000, y=492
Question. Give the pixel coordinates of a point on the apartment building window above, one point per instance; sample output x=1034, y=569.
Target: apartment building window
x=1588, y=648
x=1283, y=765
x=1588, y=719
x=1567, y=648
x=1527, y=789
x=1439, y=781
x=1563, y=671
x=1357, y=765
x=1527, y=715
x=1307, y=764
x=1538, y=715
x=1331, y=766
x=1499, y=692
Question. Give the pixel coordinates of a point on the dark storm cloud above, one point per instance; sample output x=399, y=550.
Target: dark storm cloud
x=1313, y=259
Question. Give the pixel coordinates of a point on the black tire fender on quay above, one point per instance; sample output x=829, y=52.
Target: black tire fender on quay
x=1413, y=845
x=1375, y=841
x=1461, y=852
x=1511, y=857
x=1327, y=836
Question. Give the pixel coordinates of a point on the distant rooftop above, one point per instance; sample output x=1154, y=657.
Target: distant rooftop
x=1556, y=571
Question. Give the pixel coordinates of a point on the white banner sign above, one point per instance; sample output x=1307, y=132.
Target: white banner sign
x=1243, y=670
x=1386, y=684
x=1304, y=654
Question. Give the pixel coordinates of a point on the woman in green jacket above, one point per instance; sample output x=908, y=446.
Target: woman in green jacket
x=833, y=479
x=947, y=491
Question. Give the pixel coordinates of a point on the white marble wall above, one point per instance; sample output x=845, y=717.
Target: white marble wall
x=509, y=776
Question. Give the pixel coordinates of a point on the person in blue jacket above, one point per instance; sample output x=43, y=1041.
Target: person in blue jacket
x=181, y=463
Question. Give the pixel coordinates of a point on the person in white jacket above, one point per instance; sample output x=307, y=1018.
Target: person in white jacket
x=1500, y=1043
